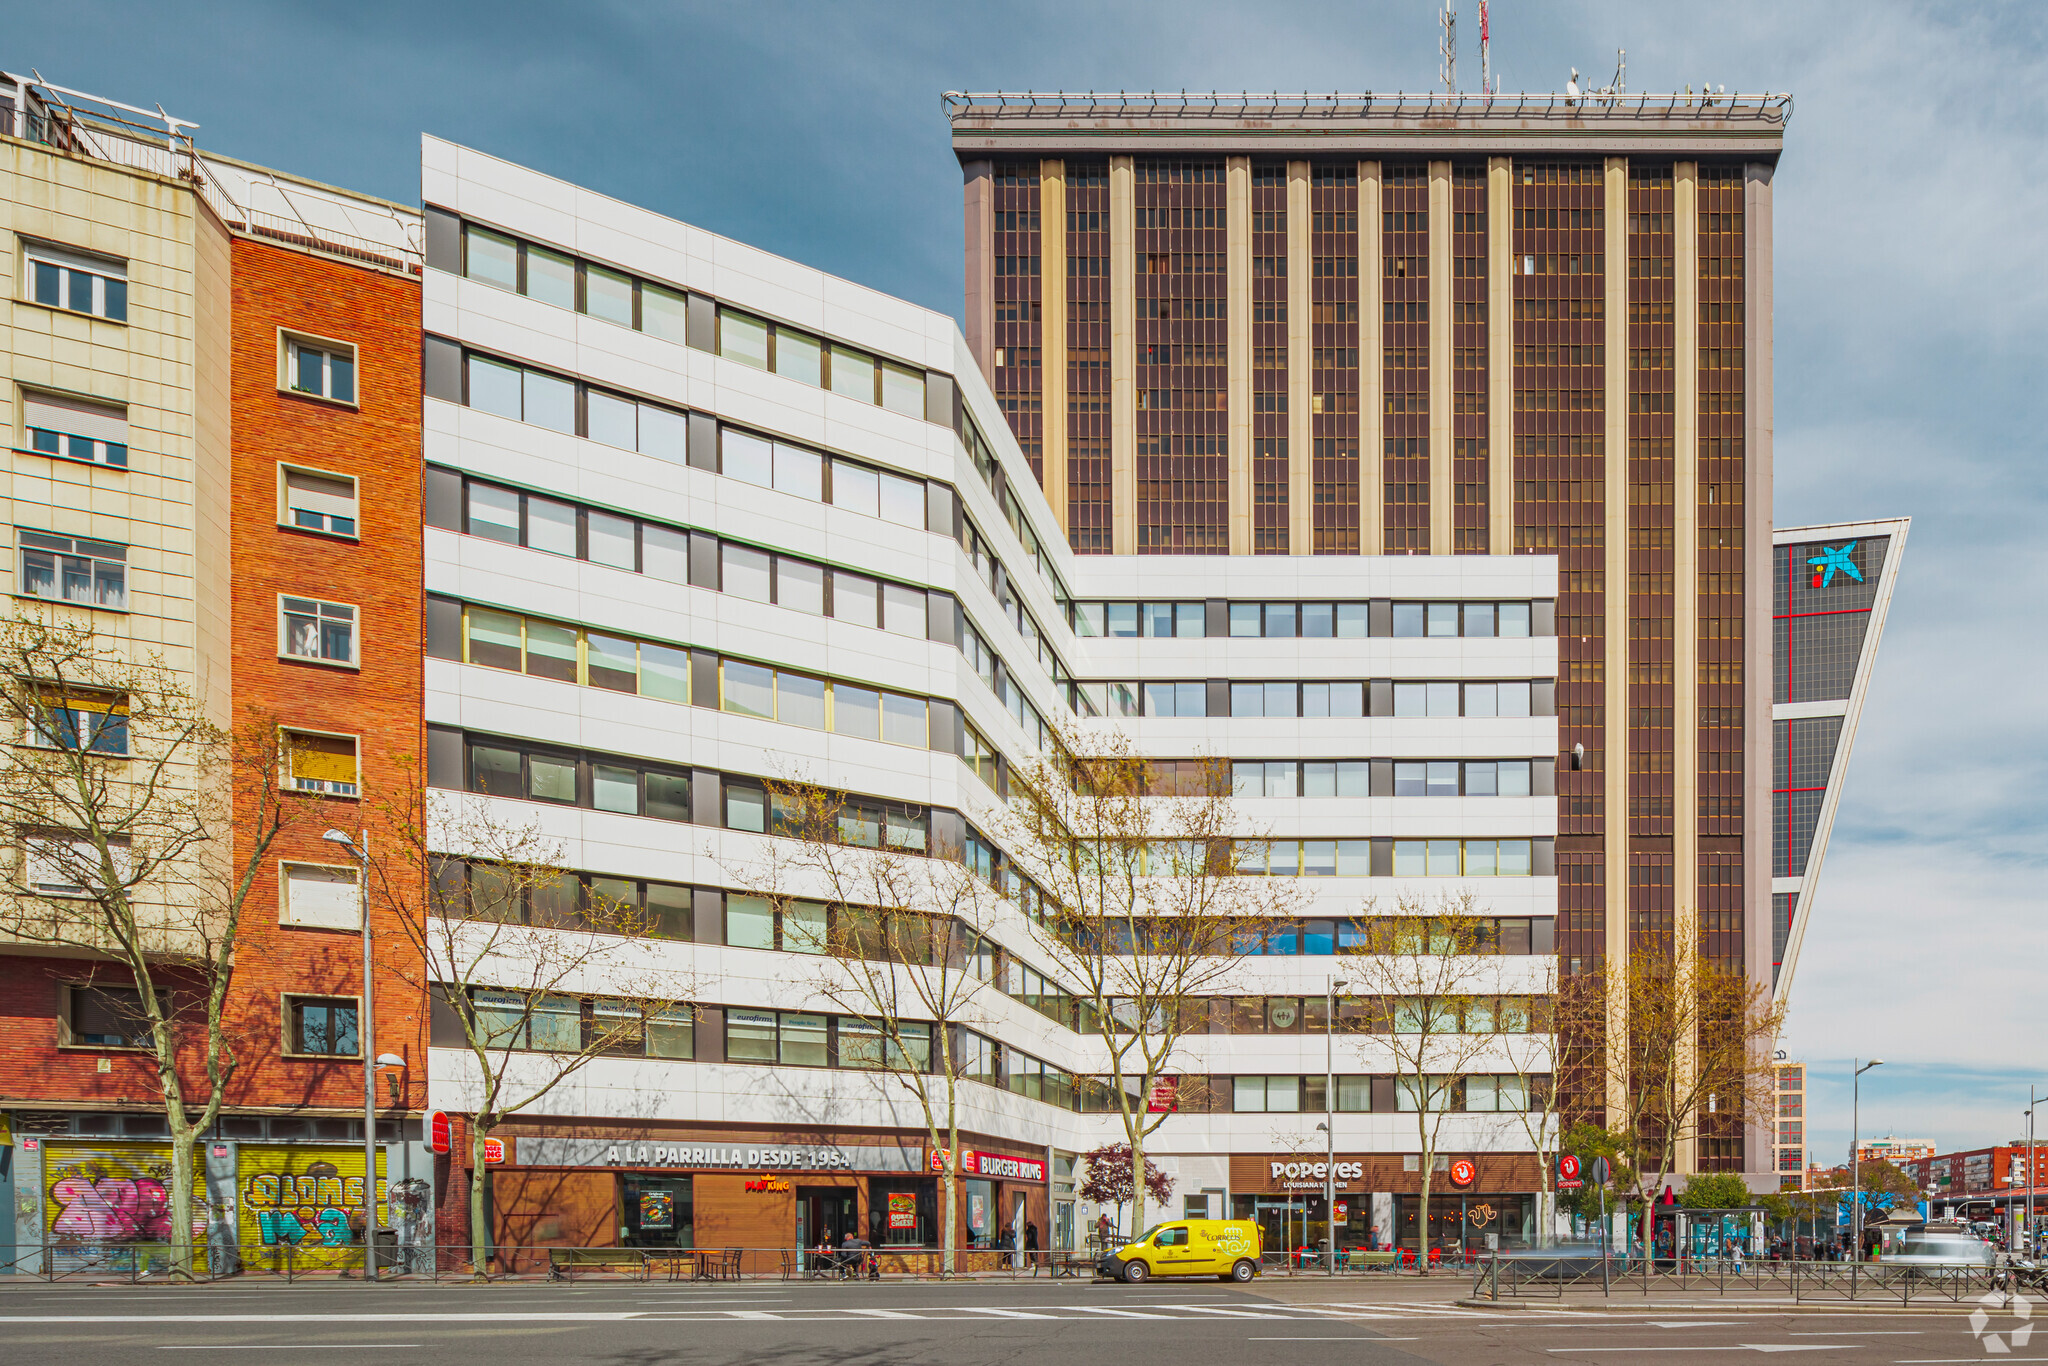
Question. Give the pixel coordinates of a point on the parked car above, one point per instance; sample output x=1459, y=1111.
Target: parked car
x=1228, y=1248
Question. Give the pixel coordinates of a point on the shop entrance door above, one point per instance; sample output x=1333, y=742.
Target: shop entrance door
x=825, y=1214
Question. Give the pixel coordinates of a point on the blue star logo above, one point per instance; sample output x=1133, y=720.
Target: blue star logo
x=1829, y=560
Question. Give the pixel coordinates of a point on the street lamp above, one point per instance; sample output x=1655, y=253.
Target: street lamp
x=1856, y=1159
x=1330, y=1122
x=2027, y=1221
x=366, y=1034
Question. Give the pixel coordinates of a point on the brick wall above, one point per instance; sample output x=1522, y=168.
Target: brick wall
x=377, y=442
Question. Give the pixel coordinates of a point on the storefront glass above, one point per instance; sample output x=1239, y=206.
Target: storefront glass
x=903, y=1212
x=979, y=1200
x=657, y=1211
x=1457, y=1221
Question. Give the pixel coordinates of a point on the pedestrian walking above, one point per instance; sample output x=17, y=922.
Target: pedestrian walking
x=1102, y=1231
x=1031, y=1246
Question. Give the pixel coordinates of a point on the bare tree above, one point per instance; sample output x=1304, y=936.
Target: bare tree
x=1550, y=1044
x=905, y=952
x=545, y=974
x=1699, y=1039
x=1432, y=992
x=122, y=794
x=1137, y=867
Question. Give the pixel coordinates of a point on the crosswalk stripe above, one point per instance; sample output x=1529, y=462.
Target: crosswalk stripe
x=1003, y=1313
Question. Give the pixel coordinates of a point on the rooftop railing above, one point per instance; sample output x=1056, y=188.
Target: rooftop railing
x=1337, y=106
x=92, y=127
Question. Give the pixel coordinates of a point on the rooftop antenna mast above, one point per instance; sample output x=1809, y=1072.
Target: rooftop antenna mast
x=1620, y=71
x=1448, y=72
x=1485, y=52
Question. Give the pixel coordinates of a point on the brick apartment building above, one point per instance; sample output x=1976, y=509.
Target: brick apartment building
x=259, y=359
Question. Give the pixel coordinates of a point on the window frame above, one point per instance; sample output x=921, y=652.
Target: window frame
x=288, y=1034
x=284, y=904
x=67, y=1008
x=285, y=470
x=355, y=637
x=22, y=550
x=74, y=261
x=285, y=758
x=290, y=341
x=102, y=448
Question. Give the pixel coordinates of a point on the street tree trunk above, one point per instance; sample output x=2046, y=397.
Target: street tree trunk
x=479, y=1216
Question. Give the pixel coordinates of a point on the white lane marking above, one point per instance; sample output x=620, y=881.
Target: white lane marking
x=882, y=1313
x=1003, y=1313
x=1736, y=1347
x=323, y=1318
x=750, y=1314
x=1116, y=1313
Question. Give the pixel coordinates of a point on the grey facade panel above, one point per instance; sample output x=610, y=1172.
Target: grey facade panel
x=441, y=369
x=445, y=759
x=703, y=442
x=703, y=560
x=444, y=240
x=444, y=628
x=700, y=323
x=1543, y=617
x=444, y=499
x=704, y=681
x=938, y=398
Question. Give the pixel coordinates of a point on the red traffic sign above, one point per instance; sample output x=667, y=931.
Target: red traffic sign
x=440, y=1133
x=1568, y=1177
x=1463, y=1173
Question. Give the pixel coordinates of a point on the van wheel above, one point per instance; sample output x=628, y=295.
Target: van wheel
x=1243, y=1271
x=1135, y=1272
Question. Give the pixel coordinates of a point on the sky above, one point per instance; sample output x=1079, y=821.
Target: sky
x=1910, y=327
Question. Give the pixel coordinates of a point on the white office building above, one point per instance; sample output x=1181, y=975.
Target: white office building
x=700, y=517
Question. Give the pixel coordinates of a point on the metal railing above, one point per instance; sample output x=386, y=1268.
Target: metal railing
x=60, y=1260
x=76, y=124
x=1535, y=1276
x=1067, y=104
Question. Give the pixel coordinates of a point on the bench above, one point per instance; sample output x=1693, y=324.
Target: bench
x=1073, y=1263
x=1357, y=1259
x=565, y=1262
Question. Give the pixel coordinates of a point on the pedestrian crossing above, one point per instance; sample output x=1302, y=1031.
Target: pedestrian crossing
x=1072, y=1313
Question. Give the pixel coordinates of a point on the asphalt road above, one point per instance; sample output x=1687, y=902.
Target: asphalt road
x=909, y=1324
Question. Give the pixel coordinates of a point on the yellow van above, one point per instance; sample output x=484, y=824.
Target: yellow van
x=1228, y=1248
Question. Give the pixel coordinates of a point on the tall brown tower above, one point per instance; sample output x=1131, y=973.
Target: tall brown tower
x=1433, y=326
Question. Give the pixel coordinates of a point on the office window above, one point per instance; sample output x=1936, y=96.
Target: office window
x=903, y=390
x=77, y=281
x=610, y=419
x=313, y=630
x=495, y=387
x=491, y=257
x=75, y=429
x=852, y=373
x=799, y=356
x=323, y=764
x=312, y=501
x=317, y=367
x=104, y=1017
x=319, y=896
x=74, y=569
x=744, y=573
x=550, y=277
x=608, y=295
x=93, y=721
x=903, y=610
x=322, y=1025
x=743, y=339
